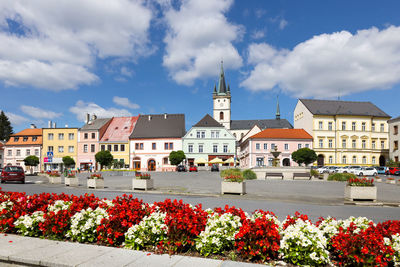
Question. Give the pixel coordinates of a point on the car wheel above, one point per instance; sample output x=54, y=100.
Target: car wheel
x=2, y=181
x=360, y=174
x=23, y=181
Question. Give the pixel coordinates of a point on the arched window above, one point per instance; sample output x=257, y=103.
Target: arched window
x=221, y=116
x=354, y=159
x=344, y=160
x=364, y=160
x=373, y=160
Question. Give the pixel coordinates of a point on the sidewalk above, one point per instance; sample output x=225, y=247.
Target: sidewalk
x=22, y=251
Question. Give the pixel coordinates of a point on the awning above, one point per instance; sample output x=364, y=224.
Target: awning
x=200, y=161
x=216, y=160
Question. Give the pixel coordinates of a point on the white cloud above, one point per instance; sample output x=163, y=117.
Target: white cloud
x=39, y=113
x=258, y=34
x=329, y=64
x=126, y=72
x=282, y=24
x=124, y=102
x=198, y=37
x=61, y=40
x=16, y=119
x=81, y=108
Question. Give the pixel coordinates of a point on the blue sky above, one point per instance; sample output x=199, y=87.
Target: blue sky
x=115, y=58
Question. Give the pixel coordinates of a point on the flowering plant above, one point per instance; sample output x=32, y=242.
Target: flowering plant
x=390, y=178
x=54, y=174
x=233, y=178
x=95, y=176
x=145, y=176
x=28, y=225
x=360, y=182
x=71, y=175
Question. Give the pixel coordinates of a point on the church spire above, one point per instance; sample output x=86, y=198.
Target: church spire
x=278, y=112
x=221, y=83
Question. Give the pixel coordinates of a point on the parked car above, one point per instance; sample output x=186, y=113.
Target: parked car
x=367, y=171
x=181, y=168
x=381, y=170
x=193, y=168
x=352, y=168
x=215, y=168
x=13, y=173
x=322, y=169
x=392, y=170
x=344, y=169
x=332, y=169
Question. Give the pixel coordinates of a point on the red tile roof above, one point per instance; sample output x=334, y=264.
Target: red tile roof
x=29, y=133
x=119, y=129
x=282, y=134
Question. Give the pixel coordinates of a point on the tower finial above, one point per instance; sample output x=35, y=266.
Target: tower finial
x=278, y=112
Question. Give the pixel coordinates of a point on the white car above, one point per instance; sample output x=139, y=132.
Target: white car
x=322, y=169
x=366, y=171
x=352, y=168
x=343, y=169
x=331, y=169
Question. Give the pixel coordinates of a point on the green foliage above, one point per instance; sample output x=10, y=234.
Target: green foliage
x=104, y=158
x=392, y=163
x=314, y=173
x=5, y=127
x=31, y=160
x=249, y=175
x=231, y=172
x=304, y=155
x=117, y=164
x=176, y=157
x=68, y=161
x=342, y=177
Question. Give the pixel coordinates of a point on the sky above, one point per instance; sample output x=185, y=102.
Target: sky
x=62, y=59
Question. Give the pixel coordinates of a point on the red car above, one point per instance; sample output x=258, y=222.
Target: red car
x=13, y=173
x=392, y=171
x=193, y=169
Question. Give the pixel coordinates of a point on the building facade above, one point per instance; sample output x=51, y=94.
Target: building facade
x=58, y=143
x=256, y=150
x=1, y=154
x=207, y=140
x=345, y=132
x=89, y=136
x=116, y=138
x=22, y=144
x=153, y=139
x=394, y=139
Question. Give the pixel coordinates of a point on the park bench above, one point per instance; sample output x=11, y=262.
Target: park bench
x=273, y=174
x=302, y=175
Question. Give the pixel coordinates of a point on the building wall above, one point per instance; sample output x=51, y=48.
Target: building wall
x=147, y=153
x=116, y=150
x=394, y=140
x=303, y=118
x=15, y=155
x=57, y=143
x=1, y=158
x=86, y=157
x=222, y=104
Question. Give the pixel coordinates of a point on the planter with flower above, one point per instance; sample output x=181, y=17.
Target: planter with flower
x=233, y=184
x=390, y=180
x=54, y=177
x=95, y=181
x=360, y=189
x=71, y=180
x=378, y=179
x=142, y=181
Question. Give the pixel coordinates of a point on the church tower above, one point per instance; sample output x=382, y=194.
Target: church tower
x=222, y=101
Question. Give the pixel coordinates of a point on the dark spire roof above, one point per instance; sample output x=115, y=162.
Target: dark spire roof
x=221, y=83
x=208, y=121
x=278, y=111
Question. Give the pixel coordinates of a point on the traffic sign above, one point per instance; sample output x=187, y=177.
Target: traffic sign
x=50, y=154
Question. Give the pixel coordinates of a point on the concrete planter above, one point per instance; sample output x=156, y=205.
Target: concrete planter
x=95, y=183
x=71, y=181
x=142, y=184
x=398, y=182
x=325, y=175
x=233, y=188
x=55, y=180
x=378, y=179
x=391, y=181
x=353, y=193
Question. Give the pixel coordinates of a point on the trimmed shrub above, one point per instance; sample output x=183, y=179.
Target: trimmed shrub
x=342, y=177
x=231, y=172
x=314, y=173
x=249, y=175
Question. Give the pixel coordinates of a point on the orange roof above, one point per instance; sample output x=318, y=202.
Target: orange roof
x=282, y=134
x=28, y=133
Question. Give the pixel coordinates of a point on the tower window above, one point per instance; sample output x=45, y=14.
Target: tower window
x=221, y=115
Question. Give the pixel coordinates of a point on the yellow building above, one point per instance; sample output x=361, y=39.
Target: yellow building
x=58, y=143
x=345, y=132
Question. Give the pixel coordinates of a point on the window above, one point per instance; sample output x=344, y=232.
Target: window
x=115, y=147
x=153, y=146
x=34, y=138
x=85, y=148
x=198, y=134
x=265, y=146
x=60, y=136
x=109, y=147
x=354, y=160
x=330, y=159
x=373, y=127
x=286, y=146
x=396, y=145
x=363, y=144
x=137, y=146
x=344, y=160
x=200, y=148
x=373, y=144
x=320, y=124
x=71, y=136
x=258, y=146
x=141, y=146
x=307, y=146
x=25, y=138
x=36, y=152
x=215, y=148
x=212, y=134
x=50, y=136
x=221, y=116
x=216, y=134
x=225, y=148
x=165, y=161
x=330, y=143
x=382, y=144
x=28, y=152
x=353, y=143
x=85, y=136
x=382, y=127
x=9, y=152
x=344, y=143
x=343, y=125
x=203, y=134
x=260, y=161
x=353, y=126
x=330, y=126
x=166, y=146
x=16, y=139
x=373, y=160
x=190, y=148
x=92, y=148
x=93, y=135
x=364, y=160
x=50, y=148
x=395, y=129
x=61, y=149
x=321, y=143
x=363, y=127
x=122, y=148
x=103, y=147
x=71, y=149
x=272, y=146
x=298, y=146
x=171, y=146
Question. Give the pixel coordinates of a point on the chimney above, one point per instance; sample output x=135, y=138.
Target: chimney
x=49, y=124
x=54, y=125
x=94, y=117
x=87, y=118
x=33, y=126
x=165, y=116
x=149, y=118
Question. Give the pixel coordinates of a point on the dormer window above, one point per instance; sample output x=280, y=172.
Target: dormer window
x=34, y=138
x=25, y=138
x=16, y=139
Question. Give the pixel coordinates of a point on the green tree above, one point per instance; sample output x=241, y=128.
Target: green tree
x=176, y=157
x=104, y=158
x=304, y=155
x=30, y=161
x=5, y=127
x=68, y=161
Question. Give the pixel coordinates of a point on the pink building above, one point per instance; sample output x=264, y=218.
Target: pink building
x=256, y=150
x=88, y=142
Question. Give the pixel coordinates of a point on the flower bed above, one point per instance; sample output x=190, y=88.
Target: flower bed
x=143, y=176
x=176, y=227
